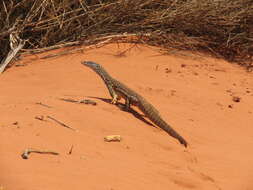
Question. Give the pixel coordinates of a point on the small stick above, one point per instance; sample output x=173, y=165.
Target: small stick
x=59, y=122
x=85, y=101
x=68, y=100
x=20, y=65
x=39, y=103
x=71, y=149
x=27, y=151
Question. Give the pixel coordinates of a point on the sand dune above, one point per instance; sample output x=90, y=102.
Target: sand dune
x=195, y=96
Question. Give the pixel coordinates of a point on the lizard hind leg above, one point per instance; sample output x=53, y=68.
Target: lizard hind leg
x=127, y=104
x=114, y=95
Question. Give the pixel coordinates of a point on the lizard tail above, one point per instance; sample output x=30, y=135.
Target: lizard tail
x=147, y=108
x=162, y=124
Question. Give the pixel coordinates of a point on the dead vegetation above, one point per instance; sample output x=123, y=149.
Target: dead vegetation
x=223, y=28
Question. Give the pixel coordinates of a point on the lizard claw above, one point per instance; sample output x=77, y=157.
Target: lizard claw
x=113, y=101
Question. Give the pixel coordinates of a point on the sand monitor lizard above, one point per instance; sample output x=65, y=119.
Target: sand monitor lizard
x=118, y=90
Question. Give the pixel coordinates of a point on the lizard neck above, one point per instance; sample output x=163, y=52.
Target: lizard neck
x=103, y=74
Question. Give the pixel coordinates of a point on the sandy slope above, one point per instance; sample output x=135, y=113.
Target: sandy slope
x=194, y=96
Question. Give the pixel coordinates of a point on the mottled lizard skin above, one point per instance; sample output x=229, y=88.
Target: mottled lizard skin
x=118, y=90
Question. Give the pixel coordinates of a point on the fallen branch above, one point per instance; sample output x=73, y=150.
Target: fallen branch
x=39, y=103
x=27, y=151
x=69, y=100
x=85, y=101
x=12, y=53
x=62, y=124
x=71, y=149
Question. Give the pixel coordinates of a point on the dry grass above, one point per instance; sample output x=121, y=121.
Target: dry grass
x=223, y=28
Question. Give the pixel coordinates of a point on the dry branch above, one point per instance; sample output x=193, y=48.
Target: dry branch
x=10, y=56
x=60, y=123
x=47, y=106
x=85, y=101
x=27, y=151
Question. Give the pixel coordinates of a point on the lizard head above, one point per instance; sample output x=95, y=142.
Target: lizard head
x=92, y=65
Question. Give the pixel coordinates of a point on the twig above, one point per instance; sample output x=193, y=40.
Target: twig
x=39, y=103
x=69, y=100
x=59, y=122
x=27, y=151
x=123, y=35
x=39, y=50
x=71, y=149
x=20, y=65
x=85, y=101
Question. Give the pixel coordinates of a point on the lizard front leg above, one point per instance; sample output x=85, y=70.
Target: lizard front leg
x=114, y=98
x=113, y=94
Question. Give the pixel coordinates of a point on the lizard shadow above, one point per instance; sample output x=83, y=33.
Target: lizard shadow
x=121, y=107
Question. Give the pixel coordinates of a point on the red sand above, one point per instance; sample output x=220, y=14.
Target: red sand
x=194, y=96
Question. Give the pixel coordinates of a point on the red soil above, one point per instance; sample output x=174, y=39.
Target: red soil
x=195, y=96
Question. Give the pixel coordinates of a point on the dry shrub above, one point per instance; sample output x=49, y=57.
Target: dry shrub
x=223, y=28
